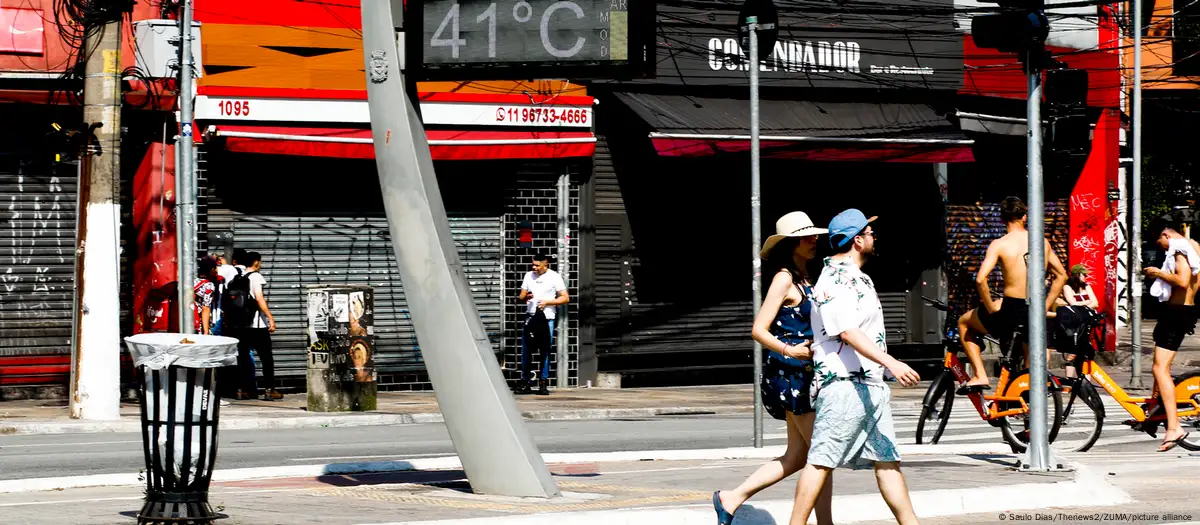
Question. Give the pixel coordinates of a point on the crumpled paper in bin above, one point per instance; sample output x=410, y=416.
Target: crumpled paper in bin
x=160, y=350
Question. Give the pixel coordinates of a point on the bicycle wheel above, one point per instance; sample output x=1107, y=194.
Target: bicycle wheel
x=1082, y=418
x=1019, y=439
x=1186, y=384
x=939, y=400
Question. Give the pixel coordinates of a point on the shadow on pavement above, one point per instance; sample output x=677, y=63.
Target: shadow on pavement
x=439, y=478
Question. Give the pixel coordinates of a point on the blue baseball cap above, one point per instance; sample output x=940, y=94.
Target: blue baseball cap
x=846, y=225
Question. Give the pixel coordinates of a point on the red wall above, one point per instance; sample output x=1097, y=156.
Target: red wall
x=1094, y=218
x=154, y=256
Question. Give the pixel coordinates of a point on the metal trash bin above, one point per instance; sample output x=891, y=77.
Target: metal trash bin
x=180, y=409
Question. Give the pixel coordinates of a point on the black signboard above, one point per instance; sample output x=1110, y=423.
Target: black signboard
x=523, y=39
x=846, y=44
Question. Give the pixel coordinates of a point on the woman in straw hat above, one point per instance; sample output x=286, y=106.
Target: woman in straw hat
x=783, y=328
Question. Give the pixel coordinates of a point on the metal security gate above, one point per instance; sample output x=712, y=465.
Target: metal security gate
x=654, y=341
x=302, y=250
x=36, y=274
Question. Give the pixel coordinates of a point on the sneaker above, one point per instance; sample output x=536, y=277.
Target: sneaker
x=272, y=395
x=224, y=402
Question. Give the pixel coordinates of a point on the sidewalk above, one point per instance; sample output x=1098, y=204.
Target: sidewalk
x=1188, y=355
x=51, y=417
x=594, y=490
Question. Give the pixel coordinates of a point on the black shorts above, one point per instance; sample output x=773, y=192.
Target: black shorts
x=1011, y=320
x=1176, y=322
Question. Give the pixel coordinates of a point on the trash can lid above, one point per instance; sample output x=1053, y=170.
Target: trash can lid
x=161, y=349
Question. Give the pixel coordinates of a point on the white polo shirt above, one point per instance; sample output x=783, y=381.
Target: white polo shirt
x=544, y=287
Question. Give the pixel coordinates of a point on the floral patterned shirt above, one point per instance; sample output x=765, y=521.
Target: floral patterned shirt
x=845, y=298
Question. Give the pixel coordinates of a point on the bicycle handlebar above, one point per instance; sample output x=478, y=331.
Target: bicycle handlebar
x=936, y=304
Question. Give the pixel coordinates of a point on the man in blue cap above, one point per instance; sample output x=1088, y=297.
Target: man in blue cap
x=853, y=426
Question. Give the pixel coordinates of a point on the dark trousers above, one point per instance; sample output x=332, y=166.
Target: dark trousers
x=531, y=345
x=259, y=340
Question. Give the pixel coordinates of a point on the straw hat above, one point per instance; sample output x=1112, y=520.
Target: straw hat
x=794, y=224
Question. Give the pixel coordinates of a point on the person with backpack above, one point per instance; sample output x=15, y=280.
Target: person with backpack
x=247, y=317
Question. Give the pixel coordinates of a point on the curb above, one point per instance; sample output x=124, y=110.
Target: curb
x=1087, y=489
x=354, y=420
x=452, y=463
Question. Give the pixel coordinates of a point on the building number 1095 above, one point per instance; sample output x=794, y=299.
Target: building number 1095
x=564, y=29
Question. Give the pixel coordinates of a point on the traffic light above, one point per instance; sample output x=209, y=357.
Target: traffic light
x=1020, y=27
x=1011, y=31
x=1070, y=128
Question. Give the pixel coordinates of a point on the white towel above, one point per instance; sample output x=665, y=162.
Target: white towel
x=1162, y=289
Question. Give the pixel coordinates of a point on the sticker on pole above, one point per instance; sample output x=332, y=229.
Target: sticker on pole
x=186, y=130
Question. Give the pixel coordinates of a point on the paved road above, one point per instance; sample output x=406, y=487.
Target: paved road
x=79, y=454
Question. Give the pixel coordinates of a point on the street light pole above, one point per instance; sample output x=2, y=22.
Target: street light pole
x=1135, y=208
x=755, y=226
x=185, y=201
x=1039, y=447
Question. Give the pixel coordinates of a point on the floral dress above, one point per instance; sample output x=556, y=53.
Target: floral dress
x=205, y=293
x=786, y=380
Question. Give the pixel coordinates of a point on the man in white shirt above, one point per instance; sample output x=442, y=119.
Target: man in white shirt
x=853, y=425
x=257, y=336
x=543, y=290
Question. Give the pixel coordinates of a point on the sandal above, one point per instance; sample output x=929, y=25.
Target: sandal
x=723, y=517
x=972, y=389
x=1172, y=443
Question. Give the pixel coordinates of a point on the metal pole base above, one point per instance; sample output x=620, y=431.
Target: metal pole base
x=1024, y=464
x=190, y=508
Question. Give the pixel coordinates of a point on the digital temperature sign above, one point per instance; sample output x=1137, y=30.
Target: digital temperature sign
x=522, y=39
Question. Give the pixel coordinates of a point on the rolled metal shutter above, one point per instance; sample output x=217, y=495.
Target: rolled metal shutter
x=635, y=336
x=37, y=262
x=895, y=316
x=299, y=251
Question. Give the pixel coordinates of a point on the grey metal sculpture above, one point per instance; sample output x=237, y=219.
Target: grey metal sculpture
x=492, y=443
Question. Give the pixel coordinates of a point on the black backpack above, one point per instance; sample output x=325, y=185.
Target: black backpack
x=1072, y=330
x=237, y=307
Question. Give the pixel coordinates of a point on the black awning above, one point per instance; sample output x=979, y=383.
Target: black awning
x=693, y=126
x=680, y=114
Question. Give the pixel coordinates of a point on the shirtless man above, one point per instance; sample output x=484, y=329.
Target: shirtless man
x=1177, y=320
x=1011, y=252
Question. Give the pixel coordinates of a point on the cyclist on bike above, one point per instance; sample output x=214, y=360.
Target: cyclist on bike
x=1011, y=252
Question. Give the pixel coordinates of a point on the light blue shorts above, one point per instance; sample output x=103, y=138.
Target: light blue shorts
x=853, y=426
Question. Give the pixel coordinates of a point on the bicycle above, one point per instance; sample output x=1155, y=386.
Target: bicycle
x=1147, y=412
x=997, y=410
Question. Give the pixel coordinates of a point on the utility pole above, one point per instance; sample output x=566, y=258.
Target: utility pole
x=185, y=201
x=95, y=372
x=755, y=227
x=1021, y=27
x=1039, y=447
x=756, y=16
x=1135, y=208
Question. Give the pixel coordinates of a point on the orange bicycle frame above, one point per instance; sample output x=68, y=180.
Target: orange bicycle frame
x=989, y=412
